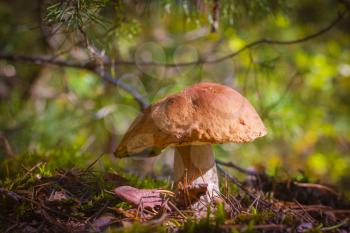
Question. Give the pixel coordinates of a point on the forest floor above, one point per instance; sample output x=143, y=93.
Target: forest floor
x=84, y=200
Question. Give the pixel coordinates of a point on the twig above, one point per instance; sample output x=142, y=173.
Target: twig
x=239, y=185
x=8, y=148
x=232, y=179
x=316, y=186
x=177, y=210
x=155, y=221
x=322, y=208
x=136, y=95
x=93, y=163
x=40, y=205
x=98, y=213
x=246, y=47
x=252, y=196
x=238, y=168
x=32, y=169
x=48, y=218
x=283, y=42
x=87, y=65
x=270, y=107
x=93, y=66
x=308, y=217
x=332, y=228
x=254, y=203
x=215, y=16
x=48, y=60
x=11, y=228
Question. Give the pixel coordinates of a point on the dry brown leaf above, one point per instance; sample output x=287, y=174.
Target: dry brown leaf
x=147, y=198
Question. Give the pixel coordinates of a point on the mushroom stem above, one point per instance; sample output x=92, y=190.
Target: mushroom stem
x=195, y=164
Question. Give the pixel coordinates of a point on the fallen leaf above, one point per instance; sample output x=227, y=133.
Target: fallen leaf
x=58, y=196
x=304, y=227
x=104, y=221
x=148, y=198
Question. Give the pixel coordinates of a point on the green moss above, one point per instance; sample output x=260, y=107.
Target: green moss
x=140, y=228
x=220, y=214
x=123, y=205
x=203, y=225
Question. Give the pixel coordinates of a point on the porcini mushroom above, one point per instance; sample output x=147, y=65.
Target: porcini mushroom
x=190, y=121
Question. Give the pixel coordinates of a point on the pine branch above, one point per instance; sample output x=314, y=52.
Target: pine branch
x=136, y=95
x=244, y=48
x=47, y=60
x=86, y=65
x=93, y=66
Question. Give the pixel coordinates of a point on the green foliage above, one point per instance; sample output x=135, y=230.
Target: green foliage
x=47, y=161
x=220, y=214
x=145, y=182
x=75, y=14
x=123, y=205
x=203, y=225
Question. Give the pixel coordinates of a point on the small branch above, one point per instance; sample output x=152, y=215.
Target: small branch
x=239, y=185
x=332, y=228
x=273, y=105
x=136, y=95
x=7, y=146
x=316, y=186
x=238, y=168
x=42, y=60
x=47, y=60
x=101, y=59
x=246, y=47
x=215, y=16
x=87, y=65
x=94, y=162
x=93, y=66
x=283, y=42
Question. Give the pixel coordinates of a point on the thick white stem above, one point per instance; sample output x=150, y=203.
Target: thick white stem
x=196, y=165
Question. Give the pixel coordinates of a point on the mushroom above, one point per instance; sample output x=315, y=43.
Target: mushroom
x=190, y=121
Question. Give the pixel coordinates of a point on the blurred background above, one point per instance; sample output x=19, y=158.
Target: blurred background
x=74, y=75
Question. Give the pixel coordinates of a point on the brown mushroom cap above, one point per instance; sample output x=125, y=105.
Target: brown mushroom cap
x=206, y=113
